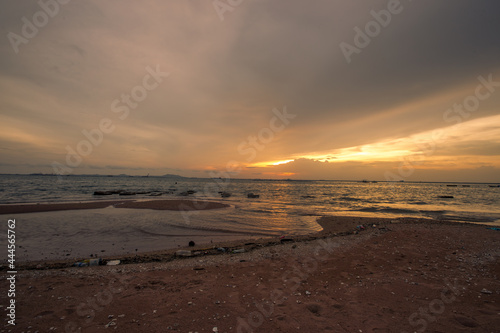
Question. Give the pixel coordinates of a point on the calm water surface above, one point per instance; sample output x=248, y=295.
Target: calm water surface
x=283, y=208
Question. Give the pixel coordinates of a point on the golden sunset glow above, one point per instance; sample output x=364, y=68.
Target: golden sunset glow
x=425, y=143
x=424, y=150
x=267, y=164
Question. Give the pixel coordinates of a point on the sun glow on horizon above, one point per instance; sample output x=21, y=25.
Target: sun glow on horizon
x=430, y=145
x=283, y=162
x=268, y=164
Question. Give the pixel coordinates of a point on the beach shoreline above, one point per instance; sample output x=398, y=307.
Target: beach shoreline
x=208, y=242
x=332, y=226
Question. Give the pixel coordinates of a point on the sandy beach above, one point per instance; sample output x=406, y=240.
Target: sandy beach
x=404, y=275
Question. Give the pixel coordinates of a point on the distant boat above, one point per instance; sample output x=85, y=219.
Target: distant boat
x=452, y=185
x=494, y=185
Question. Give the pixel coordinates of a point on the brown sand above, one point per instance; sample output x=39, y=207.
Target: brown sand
x=151, y=204
x=411, y=276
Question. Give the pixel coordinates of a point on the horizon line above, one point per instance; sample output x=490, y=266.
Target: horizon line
x=253, y=179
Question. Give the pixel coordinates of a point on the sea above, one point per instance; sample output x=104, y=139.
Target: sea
x=283, y=207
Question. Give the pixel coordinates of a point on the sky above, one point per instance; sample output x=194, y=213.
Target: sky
x=285, y=89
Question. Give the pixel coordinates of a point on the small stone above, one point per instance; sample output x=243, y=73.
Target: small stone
x=111, y=323
x=486, y=291
x=215, y=329
x=190, y=303
x=110, y=316
x=308, y=292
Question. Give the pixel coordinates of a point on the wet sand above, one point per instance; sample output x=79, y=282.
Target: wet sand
x=409, y=276
x=78, y=231
x=176, y=205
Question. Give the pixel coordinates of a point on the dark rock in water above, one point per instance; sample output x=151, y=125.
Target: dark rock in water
x=446, y=196
x=183, y=194
x=103, y=193
x=155, y=194
x=127, y=193
x=253, y=196
x=191, y=243
x=191, y=192
x=225, y=194
x=308, y=197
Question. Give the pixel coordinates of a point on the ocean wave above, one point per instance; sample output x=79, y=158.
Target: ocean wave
x=265, y=211
x=350, y=199
x=434, y=211
x=387, y=210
